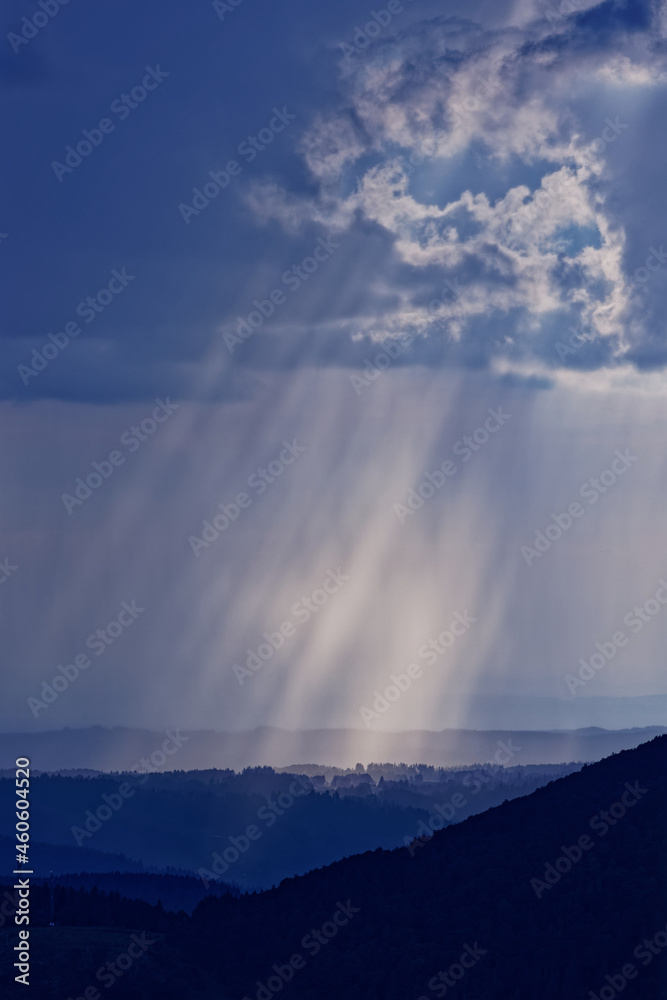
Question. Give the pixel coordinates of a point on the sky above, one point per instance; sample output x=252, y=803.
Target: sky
x=333, y=364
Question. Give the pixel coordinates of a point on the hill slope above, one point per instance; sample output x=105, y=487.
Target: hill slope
x=559, y=894
x=482, y=885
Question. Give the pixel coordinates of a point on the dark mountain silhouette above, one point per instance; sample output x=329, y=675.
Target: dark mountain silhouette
x=471, y=886
x=173, y=890
x=188, y=820
x=558, y=894
x=61, y=859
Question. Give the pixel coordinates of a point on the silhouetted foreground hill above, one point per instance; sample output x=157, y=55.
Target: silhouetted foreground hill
x=66, y=960
x=465, y=898
x=554, y=896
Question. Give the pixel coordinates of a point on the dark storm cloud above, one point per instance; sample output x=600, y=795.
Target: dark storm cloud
x=120, y=206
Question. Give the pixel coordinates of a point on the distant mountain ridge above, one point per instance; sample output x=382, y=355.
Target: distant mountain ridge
x=192, y=820
x=117, y=749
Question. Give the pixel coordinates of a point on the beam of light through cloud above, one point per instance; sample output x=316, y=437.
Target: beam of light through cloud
x=522, y=223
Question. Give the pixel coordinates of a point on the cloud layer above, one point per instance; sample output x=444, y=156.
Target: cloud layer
x=487, y=160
